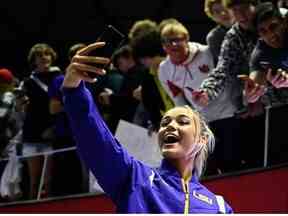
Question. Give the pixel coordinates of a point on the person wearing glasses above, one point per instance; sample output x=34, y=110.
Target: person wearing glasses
x=185, y=141
x=187, y=65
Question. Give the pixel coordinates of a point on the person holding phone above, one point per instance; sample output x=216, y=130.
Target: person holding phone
x=181, y=74
x=185, y=141
x=269, y=60
x=233, y=60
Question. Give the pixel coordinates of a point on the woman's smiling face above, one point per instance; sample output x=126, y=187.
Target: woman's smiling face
x=178, y=133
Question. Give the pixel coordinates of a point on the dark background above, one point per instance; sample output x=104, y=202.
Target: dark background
x=62, y=23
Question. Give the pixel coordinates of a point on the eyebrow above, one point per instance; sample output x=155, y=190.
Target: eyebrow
x=178, y=116
x=183, y=116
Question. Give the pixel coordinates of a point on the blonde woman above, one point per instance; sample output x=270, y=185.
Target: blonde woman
x=184, y=140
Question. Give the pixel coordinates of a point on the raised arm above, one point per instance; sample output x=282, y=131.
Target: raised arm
x=109, y=162
x=228, y=60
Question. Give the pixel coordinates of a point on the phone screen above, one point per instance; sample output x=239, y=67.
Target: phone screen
x=113, y=39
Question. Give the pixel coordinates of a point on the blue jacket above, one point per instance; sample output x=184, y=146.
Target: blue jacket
x=133, y=186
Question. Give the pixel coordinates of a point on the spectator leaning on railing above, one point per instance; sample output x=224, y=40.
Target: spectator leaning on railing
x=38, y=122
x=269, y=60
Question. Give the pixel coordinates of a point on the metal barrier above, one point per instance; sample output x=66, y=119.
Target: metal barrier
x=45, y=155
x=272, y=117
x=276, y=142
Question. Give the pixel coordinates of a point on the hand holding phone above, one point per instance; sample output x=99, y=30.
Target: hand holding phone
x=248, y=82
x=252, y=90
x=82, y=64
x=113, y=39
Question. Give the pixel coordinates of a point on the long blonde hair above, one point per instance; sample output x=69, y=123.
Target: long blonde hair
x=202, y=130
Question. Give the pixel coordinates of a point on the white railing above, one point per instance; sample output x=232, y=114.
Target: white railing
x=45, y=155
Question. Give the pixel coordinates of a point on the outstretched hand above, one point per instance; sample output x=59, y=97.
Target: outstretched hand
x=252, y=90
x=82, y=64
x=279, y=80
x=200, y=97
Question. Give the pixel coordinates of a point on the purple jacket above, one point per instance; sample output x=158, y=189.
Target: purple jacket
x=133, y=186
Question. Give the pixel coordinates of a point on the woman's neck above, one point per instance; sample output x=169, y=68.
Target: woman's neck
x=184, y=167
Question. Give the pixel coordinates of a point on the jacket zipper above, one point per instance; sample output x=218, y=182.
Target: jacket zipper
x=185, y=185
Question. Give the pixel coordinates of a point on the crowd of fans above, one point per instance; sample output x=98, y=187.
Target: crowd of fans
x=241, y=70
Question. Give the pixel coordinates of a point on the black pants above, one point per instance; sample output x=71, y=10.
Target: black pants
x=69, y=174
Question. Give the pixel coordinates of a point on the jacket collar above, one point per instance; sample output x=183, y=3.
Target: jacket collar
x=168, y=170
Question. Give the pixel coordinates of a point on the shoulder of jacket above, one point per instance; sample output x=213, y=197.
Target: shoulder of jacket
x=199, y=45
x=165, y=65
x=234, y=32
x=165, y=62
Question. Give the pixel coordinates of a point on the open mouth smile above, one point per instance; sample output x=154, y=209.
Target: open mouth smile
x=170, y=139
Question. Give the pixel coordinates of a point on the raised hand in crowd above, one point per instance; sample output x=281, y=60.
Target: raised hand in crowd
x=81, y=67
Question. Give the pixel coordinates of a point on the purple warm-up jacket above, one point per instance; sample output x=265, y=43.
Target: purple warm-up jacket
x=133, y=186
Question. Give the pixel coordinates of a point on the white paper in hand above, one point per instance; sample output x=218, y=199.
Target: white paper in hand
x=138, y=143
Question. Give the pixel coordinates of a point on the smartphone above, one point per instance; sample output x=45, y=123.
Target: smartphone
x=113, y=39
x=243, y=77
